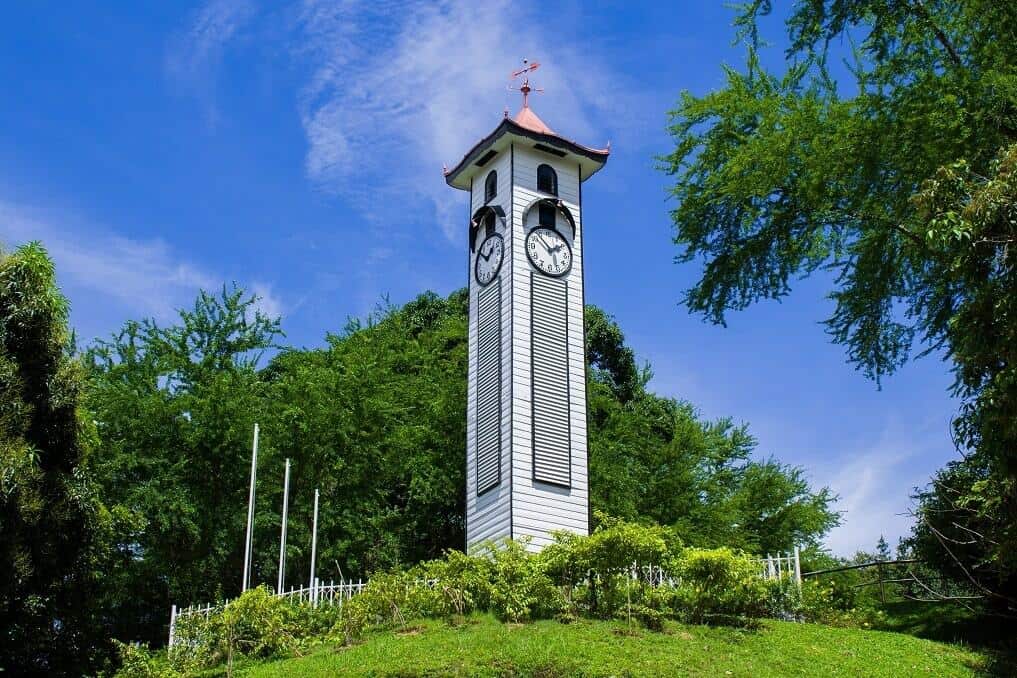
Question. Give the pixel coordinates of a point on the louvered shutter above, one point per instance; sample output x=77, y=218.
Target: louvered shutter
x=552, y=462
x=489, y=387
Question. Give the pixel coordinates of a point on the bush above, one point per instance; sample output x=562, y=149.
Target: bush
x=520, y=588
x=257, y=624
x=136, y=661
x=719, y=582
x=572, y=577
x=456, y=585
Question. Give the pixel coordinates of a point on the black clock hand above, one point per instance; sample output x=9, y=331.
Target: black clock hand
x=487, y=257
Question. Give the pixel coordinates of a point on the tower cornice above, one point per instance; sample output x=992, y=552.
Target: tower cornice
x=590, y=159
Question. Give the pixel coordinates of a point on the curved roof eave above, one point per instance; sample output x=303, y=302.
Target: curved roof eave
x=597, y=156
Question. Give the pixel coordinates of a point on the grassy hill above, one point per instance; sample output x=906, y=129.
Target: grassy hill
x=486, y=647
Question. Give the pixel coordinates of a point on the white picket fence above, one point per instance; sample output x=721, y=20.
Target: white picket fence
x=331, y=593
x=780, y=566
x=772, y=567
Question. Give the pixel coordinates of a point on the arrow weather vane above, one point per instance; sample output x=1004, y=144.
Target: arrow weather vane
x=525, y=87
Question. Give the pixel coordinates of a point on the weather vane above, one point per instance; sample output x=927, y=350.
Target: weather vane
x=525, y=87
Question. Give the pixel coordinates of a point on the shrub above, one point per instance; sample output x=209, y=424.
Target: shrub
x=386, y=600
x=136, y=661
x=719, y=582
x=453, y=586
x=351, y=620
x=520, y=588
x=257, y=624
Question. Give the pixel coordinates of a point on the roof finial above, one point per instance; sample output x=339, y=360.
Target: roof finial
x=525, y=87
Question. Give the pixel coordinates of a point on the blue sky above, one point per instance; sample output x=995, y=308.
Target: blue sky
x=156, y=148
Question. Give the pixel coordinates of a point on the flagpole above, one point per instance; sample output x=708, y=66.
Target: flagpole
x=249, y=541
x=314, y=546
x=282, y=538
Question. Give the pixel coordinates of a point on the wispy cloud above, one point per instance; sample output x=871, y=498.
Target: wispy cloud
x=395, y=89
x=194, y=55
x=146, y=276
x=869, y=480
x=398, y=89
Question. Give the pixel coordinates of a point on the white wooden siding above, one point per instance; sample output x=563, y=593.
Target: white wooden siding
x=518, y=506
x=538, y=509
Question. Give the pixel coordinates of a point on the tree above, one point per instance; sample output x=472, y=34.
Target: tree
x=882, y=549
x=899, y=182
x=54, y=532
x=175, y=409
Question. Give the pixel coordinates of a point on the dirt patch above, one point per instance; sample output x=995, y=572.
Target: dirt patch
x=410, y=631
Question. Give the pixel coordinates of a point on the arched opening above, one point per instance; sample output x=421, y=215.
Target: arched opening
x=545, y=214
x=487, y=217
x=547, y=179
x=550, y=212
x=491, y=186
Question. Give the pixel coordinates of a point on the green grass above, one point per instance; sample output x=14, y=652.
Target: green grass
x=486, y=647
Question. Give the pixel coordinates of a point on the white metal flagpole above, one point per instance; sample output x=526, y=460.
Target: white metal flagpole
x=314, y=544
x=282, y=538
x=248, y=542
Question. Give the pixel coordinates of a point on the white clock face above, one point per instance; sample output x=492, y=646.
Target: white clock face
x=549, y=251
x=489, y=259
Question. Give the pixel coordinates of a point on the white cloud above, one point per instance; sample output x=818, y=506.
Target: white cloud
x=402, y=88
x=394, y=89
x=870, y=478
x=146, y=276
x=268, y=303
x=193, y=56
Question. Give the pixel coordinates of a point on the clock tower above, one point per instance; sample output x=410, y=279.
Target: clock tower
x=526, y=451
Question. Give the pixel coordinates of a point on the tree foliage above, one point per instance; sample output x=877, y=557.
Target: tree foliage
x=898, y=180
x=54, y=532
x=376, y=420
x=174, y=409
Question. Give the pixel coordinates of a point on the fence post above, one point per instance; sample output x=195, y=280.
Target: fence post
x=173, y=624
x=798, y=568
x=882, y=591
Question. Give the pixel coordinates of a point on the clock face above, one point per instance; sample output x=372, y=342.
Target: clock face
x=549, y=251
x=489, y=259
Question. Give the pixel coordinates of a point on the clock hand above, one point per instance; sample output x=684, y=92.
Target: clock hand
x=542, y=240
x=487, y=256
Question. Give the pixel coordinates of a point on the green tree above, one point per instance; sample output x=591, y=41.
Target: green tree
x=54, y=532
x=175, y=409
x=898, y=181
x=377, y=421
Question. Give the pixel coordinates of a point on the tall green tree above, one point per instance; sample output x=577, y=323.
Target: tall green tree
x=54, y=531
x=175, y=408
x=875, y=178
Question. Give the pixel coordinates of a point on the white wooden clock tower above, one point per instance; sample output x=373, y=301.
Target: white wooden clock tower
x=526, y=451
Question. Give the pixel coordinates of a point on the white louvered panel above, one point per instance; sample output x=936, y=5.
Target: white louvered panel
x=549, y=364
x=488, y=416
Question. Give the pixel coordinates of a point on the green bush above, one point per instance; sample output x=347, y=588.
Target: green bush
x=520, y=588
x=257, y=624
x=136, y=661
x=456, y=585
x=351, y=620
x=719, y=582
